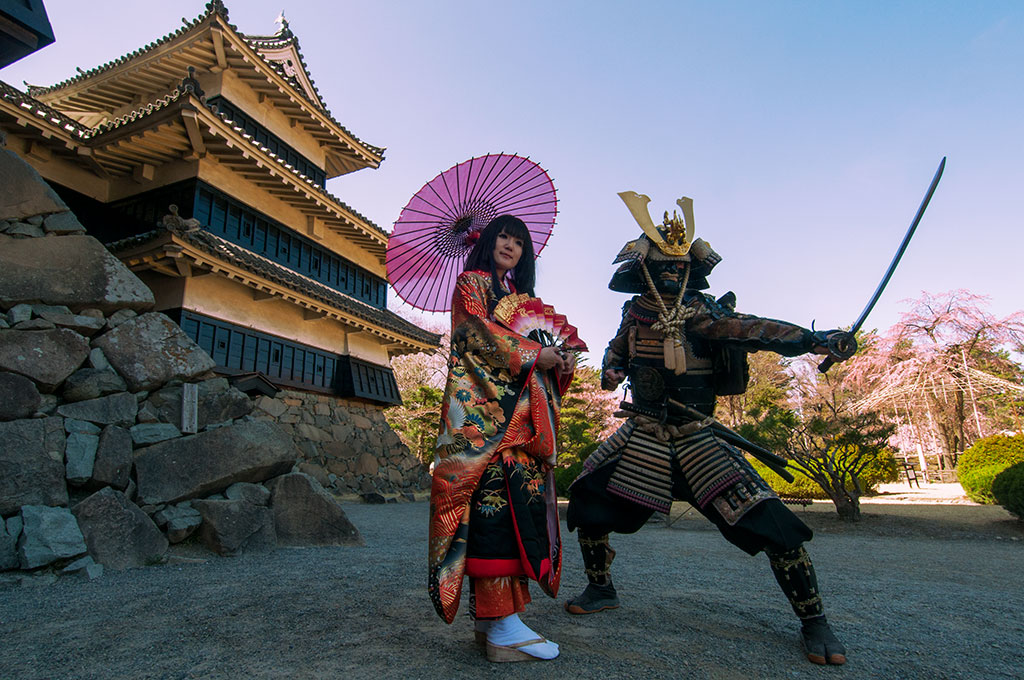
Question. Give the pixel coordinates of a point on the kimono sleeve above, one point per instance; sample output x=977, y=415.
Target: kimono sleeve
x=473, y=331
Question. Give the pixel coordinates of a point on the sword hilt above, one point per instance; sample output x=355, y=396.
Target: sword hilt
x=841, y=346
x=825, y=365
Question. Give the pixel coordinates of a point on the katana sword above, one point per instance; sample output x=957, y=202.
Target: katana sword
x=827, y=363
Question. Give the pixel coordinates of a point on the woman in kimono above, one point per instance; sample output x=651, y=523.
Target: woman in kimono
x=493, y=515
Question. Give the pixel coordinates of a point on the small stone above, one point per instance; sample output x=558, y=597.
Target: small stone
x=179, y=521
x=113, y=409
x=151, y=433
x=91, y=383
x=41, y=309
x=35, y=325
x=80, y=426
x=19, y=397
x=25, y=230
x=98, y=360
x=274, y=407
x=119, y=317
x=63, y=223
x=147, y=414
x=48, y=534
x=85, y=325
x=113, y=459
x=80, y=452
x=35, y=220
x=48, y=403
x=94, y=313
x=85, y=567
x=251, y=493
x=19, y=313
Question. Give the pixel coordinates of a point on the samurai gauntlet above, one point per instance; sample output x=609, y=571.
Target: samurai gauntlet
x=841, y=345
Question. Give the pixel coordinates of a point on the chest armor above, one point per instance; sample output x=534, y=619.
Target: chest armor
x=711, y=370
x=653, y=382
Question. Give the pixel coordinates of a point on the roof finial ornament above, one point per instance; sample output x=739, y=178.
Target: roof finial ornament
x=175, y=222
x=283, y=29
x=217, y=7
x=190, y=84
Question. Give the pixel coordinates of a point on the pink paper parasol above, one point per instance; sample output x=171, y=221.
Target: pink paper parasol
x=436, y=230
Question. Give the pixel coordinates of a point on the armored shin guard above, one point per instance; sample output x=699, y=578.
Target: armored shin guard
x=795, y=574
x=597, y=558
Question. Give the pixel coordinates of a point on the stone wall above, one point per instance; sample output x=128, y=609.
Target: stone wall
x=95, y=468
x=346, y=444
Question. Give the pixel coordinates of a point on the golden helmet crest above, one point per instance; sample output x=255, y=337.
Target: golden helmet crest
x=674, y=235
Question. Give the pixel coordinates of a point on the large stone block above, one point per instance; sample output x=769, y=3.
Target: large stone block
x=113, y=464
x=47, y=535
x=25, y=193
x=117, y=532
x=233, y=526
x=306, y=514
x=367, y=464
x=179, y=521
x=75, y=271
x=218, y=402
x=209, y=462
x=8, y=547
x=47, y=357
x=19, y=397
x=32, y=464
x=91, y=383
x=113, y=409
x=150, y=349
x=80, y=454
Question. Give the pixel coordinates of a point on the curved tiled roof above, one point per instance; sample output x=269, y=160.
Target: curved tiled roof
x=214, y=7
x=188, y=86
x=285, y=38
x=41, y=110
x=217, y=7
x=261, y=266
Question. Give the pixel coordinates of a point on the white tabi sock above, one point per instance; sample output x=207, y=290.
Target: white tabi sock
x=510, y=630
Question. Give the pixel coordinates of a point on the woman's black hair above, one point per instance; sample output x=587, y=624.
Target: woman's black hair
x=481, y=258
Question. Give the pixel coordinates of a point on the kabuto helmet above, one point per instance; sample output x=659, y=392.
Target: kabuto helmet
x=662, y=248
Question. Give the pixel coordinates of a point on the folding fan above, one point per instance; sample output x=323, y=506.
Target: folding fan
x=530, y=317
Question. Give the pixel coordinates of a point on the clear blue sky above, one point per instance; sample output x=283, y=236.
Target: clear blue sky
x=805, y=132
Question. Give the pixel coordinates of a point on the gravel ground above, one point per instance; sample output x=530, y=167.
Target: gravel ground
x=915, y=591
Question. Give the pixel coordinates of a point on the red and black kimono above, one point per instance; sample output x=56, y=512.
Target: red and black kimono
x=493, y=514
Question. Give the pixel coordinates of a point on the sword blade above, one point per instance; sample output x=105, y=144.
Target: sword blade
x=829, y=361
x=903, y=246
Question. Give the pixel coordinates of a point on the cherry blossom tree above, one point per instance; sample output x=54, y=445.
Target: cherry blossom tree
x=946, y=372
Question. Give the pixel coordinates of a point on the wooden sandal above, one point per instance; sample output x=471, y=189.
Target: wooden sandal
x=513, y=653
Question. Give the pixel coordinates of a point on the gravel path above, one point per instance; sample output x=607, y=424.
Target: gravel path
x=914, y=591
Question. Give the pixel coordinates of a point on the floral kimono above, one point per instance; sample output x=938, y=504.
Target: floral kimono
x=495, y=455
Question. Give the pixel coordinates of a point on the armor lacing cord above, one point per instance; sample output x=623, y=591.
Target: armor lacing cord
x=664, y=431
x=669, y=323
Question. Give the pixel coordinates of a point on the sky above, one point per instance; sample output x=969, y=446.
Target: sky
x=806, y=133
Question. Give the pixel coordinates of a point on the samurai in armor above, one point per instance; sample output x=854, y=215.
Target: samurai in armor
x=680, y=348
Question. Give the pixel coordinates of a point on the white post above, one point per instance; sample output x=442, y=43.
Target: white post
x=190, y=408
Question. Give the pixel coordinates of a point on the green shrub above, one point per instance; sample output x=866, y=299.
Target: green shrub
x=977, y=483
x=1008, y=489
x=802, y=486
x=881, y=469
x=998, y=449
x=979, y=465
